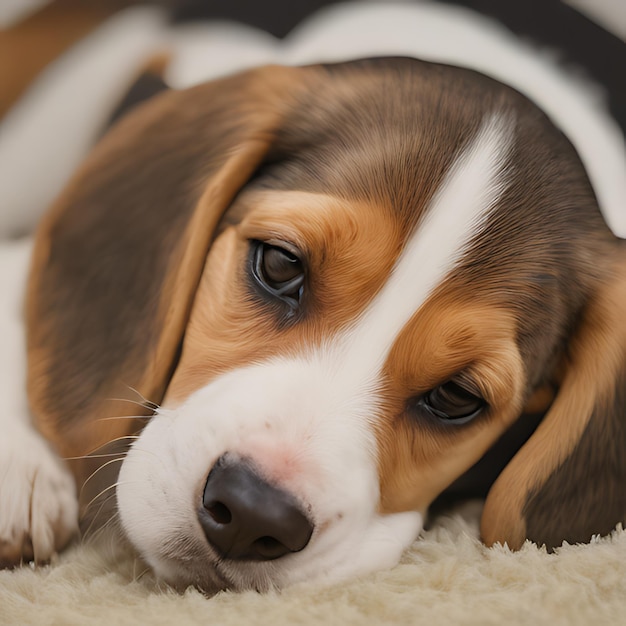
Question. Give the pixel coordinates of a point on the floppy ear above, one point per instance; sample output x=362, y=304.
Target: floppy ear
x=568, y=482
x=118, y=258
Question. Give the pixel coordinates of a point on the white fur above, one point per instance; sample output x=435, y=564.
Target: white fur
x=37, y=494
x=457, y=212
x=307, y=421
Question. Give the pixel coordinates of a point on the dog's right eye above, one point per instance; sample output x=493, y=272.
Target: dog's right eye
x=278, y=271
x=452, y=404
x=449, y=404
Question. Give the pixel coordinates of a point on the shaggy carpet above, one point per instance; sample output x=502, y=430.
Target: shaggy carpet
x=447, y=577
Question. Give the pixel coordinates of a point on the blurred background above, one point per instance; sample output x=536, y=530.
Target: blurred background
x=35, y=32
x=69, y=67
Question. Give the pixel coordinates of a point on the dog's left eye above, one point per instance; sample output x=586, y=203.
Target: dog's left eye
x=452, y=404
x=279, y=271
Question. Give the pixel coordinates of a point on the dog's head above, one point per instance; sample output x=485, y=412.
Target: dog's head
x=341, y=285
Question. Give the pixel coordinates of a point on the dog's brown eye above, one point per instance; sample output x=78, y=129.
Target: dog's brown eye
x=452, y=404
x=280, y=266
x=279, y=271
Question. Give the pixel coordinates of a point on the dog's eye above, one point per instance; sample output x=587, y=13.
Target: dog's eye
x=452, y=404
x=279, y=271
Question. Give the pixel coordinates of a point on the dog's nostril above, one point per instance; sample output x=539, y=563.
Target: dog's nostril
x=244, y=517
x=219, y=512
x=269, y=547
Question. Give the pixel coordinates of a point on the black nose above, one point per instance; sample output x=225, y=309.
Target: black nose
x=246, y=518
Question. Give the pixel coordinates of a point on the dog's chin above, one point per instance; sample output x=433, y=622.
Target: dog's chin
x=208, y=577
x=208, y=581
x=183, y=562
x=193, y=566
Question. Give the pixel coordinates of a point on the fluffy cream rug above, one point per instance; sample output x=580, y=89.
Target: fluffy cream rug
x=447, y=577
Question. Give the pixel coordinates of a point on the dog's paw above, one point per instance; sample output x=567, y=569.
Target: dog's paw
x=38, y=505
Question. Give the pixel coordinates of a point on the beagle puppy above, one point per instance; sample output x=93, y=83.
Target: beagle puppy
x=293, y=306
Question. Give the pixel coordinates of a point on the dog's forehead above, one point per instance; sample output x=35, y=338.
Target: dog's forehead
x=406, y=264
x=384, y=131
x=388, y=131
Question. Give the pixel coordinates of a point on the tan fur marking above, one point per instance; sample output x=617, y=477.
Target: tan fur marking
x=417, y=460
x=348, y=249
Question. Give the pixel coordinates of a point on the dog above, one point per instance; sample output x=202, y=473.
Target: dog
x=334, y=289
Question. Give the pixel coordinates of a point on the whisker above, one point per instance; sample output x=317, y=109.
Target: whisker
x=109, y=488
x=92, y=456
x=105, y=490
x=143, y=451
x=113, y=519
x=85, y=534
x=123, y=417
x=115, y=522
x=92, y=452
x=143, y=398
x=120, y=439
x=112, y=524
x=151, y=405
x=137, y=578
x=98, y=469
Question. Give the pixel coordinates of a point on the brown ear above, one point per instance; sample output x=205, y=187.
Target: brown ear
x=568, y=481
x=118, y=258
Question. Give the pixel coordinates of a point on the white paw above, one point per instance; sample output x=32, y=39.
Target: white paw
x=38, y=505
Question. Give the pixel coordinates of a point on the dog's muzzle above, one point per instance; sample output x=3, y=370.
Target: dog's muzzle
x=245, y=518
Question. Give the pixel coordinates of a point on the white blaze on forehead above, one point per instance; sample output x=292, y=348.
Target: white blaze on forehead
x=456, y=214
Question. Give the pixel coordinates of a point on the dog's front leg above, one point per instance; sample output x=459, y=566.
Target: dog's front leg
x=38, y=507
